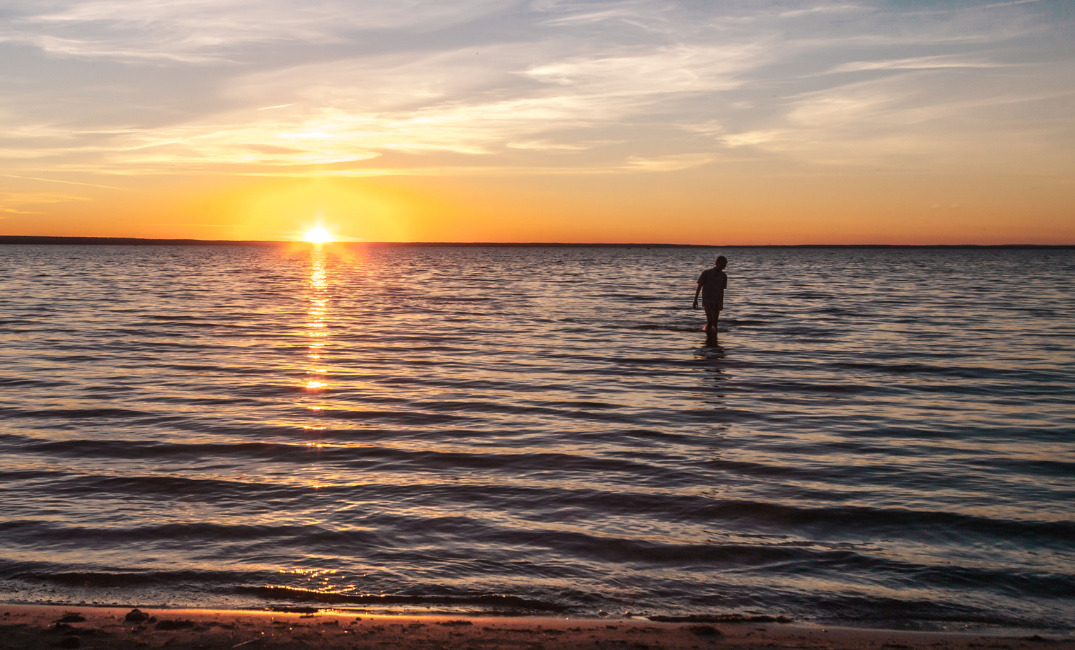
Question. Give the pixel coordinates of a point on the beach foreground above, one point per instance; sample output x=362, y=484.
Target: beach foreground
x=24, y=626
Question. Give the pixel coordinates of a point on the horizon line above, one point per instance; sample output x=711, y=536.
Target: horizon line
x=157, y=241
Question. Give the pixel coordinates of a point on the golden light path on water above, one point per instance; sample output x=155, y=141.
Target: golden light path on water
x=315, y=382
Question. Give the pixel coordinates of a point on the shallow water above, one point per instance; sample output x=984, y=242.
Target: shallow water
x=876, y=437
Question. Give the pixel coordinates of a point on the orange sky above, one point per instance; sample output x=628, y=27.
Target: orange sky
x=489, y=120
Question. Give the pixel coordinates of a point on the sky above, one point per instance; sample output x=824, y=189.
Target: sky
x=695, y=122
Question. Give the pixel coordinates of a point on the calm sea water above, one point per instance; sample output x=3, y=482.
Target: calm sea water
x=877, y=437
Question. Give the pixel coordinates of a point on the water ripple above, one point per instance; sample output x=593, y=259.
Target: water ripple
x=876, y=436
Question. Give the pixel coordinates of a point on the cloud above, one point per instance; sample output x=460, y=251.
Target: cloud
x=939, y=62
x=666, y=163
x=755, y=138
x=351, y=111
x=659, y=71
x=547, y=145
x=8, y=199
x=821, y=9
x=459, y=86
x=643, y=15
x=924, y=119
x=215, y=31
x=56, y=180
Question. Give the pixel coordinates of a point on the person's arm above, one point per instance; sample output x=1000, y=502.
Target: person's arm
x=697, y=290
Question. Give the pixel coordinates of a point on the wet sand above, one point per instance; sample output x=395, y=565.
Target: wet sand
x=23, y=626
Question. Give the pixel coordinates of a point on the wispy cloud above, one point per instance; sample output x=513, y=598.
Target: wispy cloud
x=547, y=145
x=17, y=202
x=662, y=71
x=343, y=87
x=918, y=119
x=9, y=211
x=354, y=110
x=667, y=163
x=825, y=9
x=940, y=62
x=209, y=31
x=57, y=180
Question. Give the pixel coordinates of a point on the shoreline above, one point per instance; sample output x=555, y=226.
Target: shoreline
x=52, y=626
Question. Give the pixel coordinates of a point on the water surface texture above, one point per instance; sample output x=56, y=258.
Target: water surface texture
x=877, y=436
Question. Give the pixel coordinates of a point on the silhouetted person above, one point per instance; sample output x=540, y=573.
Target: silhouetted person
x=711, y=284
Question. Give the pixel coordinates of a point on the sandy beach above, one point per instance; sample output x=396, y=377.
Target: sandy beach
x=23, y=626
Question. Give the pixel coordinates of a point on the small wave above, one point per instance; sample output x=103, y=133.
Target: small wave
x=668, y=328
x=512, y=604
x=72, y=414
x=411, y=417
x=32, y=383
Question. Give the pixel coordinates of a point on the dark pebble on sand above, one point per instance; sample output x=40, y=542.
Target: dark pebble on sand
x=71, y=617
x=704, y=630
x=175, y=624
x=136, y=616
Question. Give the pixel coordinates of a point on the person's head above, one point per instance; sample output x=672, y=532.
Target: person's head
x=721, y=263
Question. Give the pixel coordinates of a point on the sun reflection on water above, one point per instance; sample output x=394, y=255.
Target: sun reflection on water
x=316, y=383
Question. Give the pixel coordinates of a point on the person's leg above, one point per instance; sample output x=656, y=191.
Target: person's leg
x=712, y=314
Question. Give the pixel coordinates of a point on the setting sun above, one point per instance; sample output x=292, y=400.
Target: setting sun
x=318, y=235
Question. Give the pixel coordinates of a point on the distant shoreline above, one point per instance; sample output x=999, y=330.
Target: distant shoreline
x=136, y=241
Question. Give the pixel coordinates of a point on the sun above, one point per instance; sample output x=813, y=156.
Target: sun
x=318, y=235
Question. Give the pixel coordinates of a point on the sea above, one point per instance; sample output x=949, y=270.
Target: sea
x=875, y=437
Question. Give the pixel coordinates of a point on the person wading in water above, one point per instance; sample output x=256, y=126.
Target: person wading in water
x=711, y=284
